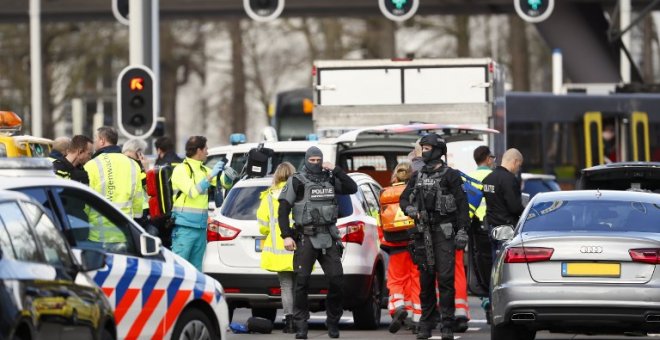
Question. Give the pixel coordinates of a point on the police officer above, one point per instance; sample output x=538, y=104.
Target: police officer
x=502, y=193
x=79, y=153
x=311, y=193
x=436, y=190
x=117, y=178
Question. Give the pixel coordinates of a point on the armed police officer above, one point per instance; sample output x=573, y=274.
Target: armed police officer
x=435, y=197
x=311, y=193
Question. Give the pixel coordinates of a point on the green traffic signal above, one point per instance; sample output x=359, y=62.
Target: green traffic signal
x=399, y=3
x=535, y=4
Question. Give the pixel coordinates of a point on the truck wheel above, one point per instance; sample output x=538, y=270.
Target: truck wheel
x=193, y=324
x=367, y=316
x=266, y=313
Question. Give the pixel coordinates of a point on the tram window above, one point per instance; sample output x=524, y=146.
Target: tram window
x=526, y=137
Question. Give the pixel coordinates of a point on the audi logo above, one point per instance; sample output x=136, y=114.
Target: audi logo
x=591, y=249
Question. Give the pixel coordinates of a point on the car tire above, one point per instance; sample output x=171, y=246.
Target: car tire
x=367, y=316
x=266, y=313
x=193, y=324
x=507, y=331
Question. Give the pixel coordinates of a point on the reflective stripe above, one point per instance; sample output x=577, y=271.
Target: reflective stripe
x=99, y=218
x=417, y=306
x=277, y=251
x=133, y=174
x=460, y=301
x=262, y=222
x=273, y=237
x=199, y=188
x=122, y=205
x=397, y=296
x=189, y=210
x=460, y=312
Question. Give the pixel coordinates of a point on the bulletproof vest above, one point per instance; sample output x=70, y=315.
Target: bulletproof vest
x=436, y=196
x=318, y=206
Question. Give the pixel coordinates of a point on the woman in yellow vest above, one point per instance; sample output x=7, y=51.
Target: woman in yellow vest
x=274, y=257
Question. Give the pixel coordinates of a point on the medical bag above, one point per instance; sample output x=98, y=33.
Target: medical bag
x=395, y=223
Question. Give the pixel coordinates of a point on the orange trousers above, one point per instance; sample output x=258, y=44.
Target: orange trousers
x=403, y=284
x=460, y=288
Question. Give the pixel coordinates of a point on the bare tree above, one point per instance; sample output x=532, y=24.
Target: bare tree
x=238, y=108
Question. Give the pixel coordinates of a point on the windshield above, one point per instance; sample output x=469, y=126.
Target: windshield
x=295, y=158
x=593, y=216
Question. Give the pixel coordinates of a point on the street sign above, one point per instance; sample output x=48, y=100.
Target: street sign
x=398, y=10
x=263, y=10
x=120, y=11
x=136, y=102
x=534, y=11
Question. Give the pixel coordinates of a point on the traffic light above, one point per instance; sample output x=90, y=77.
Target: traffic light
x=136, y=102
x=120, y=11
x=398, y=10
x=534, y=10
x=263, y=10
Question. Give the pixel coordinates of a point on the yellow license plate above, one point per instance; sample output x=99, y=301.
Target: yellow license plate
x=591, y=269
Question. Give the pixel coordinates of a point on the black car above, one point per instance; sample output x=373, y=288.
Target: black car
x=44, y=292
x=637, y=176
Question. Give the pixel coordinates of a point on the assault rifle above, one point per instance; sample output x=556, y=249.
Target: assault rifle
x=422, y=241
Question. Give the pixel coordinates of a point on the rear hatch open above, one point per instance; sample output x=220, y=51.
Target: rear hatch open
x=622, y=176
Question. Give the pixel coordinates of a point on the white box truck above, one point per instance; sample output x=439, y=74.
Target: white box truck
x=350, y=94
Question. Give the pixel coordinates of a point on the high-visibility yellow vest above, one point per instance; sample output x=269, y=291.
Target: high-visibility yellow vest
x=117, y=178
x=479, y=175
x=191, y=200
x=274, y=257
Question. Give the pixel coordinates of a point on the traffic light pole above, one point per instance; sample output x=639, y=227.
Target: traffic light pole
x=144, y=47
x=35, y=68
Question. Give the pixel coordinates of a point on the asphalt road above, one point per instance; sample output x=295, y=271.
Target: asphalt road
x=478, y=329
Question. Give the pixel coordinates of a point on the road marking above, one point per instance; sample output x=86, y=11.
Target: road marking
x=473, y=329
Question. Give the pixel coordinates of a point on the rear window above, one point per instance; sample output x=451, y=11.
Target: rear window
x=535, y=186
x=242, y=203
x=593, y=216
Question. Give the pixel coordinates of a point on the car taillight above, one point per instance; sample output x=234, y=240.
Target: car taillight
x=527, y=254
x=352, y=232
x=275, y=291
x=647, y=255
x=232, y=290
x=217, y=231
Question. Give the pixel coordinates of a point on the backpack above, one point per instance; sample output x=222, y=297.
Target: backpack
x=395, y=223
x=258, y=162
x=160, y=191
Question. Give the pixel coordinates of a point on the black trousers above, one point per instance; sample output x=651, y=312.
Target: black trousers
x=303, y=261
x=444, y=252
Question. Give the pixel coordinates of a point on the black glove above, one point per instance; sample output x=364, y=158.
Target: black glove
x=411, y=211
x=461, y=239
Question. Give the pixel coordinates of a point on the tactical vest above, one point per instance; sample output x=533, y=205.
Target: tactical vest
x=318, y=206
x=436, y=196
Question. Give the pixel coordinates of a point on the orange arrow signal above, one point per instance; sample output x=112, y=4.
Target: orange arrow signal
x=137, y=84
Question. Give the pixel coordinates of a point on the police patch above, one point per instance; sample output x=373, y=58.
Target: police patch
x=320, y=193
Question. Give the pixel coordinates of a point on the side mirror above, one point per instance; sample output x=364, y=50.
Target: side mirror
x=525, y=199
x=502, y=233
x=91, y=259
x=149, y=245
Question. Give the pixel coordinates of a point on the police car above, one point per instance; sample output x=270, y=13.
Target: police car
x=154, y=292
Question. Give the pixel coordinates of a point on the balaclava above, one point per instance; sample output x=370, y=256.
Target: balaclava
x=433, y=157
x=314, y=169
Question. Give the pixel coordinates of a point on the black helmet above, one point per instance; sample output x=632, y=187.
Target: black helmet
x=436, y=142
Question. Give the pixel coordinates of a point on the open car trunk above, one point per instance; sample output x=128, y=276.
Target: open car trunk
x=643, y=176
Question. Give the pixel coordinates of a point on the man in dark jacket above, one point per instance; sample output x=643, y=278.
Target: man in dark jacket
x=502, y=191
x=311, y=194
x=166, y=154
x=71, y=165
x=436, y=191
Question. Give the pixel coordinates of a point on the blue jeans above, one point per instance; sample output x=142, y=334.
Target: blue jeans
x=189, y=243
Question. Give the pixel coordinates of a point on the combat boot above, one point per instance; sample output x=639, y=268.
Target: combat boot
x=333, y=329
x=423, y=332
x=447, y=333
x=460, y=325
x=301, y=329
x=288, y=324
x=397, y=320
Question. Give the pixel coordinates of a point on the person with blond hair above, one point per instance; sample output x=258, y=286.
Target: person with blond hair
x=274, y=257
x=402, y=274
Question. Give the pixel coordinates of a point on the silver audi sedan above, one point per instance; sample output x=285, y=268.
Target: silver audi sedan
x=579, y=262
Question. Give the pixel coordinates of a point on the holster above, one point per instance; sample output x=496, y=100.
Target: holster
x=447, y=230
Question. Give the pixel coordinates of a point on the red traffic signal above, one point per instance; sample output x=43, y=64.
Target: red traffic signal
x=137, y=84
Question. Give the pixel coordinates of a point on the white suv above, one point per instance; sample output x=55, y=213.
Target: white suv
x=233, y=254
